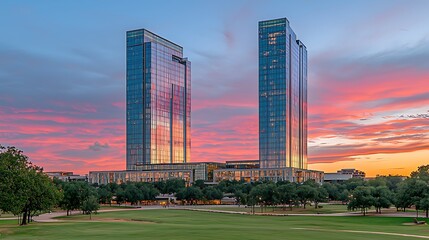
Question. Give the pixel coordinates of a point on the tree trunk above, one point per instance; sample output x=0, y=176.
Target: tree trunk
x=24, y=218
x=427, y=212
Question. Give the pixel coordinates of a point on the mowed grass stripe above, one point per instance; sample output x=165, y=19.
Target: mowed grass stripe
x=181, y=224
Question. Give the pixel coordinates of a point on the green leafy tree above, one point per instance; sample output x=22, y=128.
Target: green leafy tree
x=120, y=195
x=160, y=185
x=287, y=194
x=240, y=197
x=332, y=190
x=190, y=194
x=70, y=200
x=344, y=196
x=133, y=194
x=305, y=194
x=74, y=193
x=362, y=198
x=104, y=194
x=402, y=200
x=149, y=192
x=24, y=188
x=422, y=173
x=90, y=205
x=392, y=181
x=382, y=198
x=320, y=196
x=212, y=193
x=174, y=185
x=424, y=204
x=199, y=183
x=377, y=182
x=353, y=183
x=256, y=196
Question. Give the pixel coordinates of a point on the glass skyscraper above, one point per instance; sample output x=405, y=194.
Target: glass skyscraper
x=158, y=101
x=282, y=96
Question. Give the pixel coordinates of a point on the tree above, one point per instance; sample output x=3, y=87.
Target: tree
x=361, y=199
x=287, y=194
x=424, y=204
x=410, y=192
x=240, y=197
x=353, y=183
x=174, y=185
x=332, y=190
x=191, y=194
x=344, y=196
x=90, y=205
x=402, y=200
x=417, y=189
x=256, y=196
x=104, y=194
x=422, y=173
x=382, y=198
x=70, y=201
x=305, y=193
x=320, y=196
x=74, y=193
x=149, y=192
x=212, y=193
x=24, y=188
x=199, y=183
x=133, y=194
x=392, y=181
x=377, y=182
x=120, y=195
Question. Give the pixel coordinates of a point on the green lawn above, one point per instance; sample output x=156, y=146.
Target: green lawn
x=182, y=224
x=6, y=215
x=331, y=208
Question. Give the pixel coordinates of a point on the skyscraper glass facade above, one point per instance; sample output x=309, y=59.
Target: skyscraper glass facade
x=158, y=101
x=282, y=96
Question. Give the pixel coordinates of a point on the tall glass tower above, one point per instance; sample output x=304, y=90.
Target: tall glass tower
x=282, y=96
x=158, y=101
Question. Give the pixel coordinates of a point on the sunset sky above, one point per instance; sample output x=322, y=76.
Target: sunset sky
x=62, y=75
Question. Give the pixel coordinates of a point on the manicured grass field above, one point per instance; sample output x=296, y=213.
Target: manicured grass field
x=183, y=224
x=6, y=215
x=327, y=208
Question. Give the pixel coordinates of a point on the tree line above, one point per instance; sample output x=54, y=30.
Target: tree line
x=26, y=191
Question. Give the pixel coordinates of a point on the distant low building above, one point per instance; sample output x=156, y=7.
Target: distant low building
x=190, y=172
x=344, y=175
x=268, y=174
x=354, y=172
x=67, y=176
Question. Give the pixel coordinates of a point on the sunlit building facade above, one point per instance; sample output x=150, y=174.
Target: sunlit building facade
x=190, y=172
x=282, y=96
x=267, y=174
x=158, y=101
